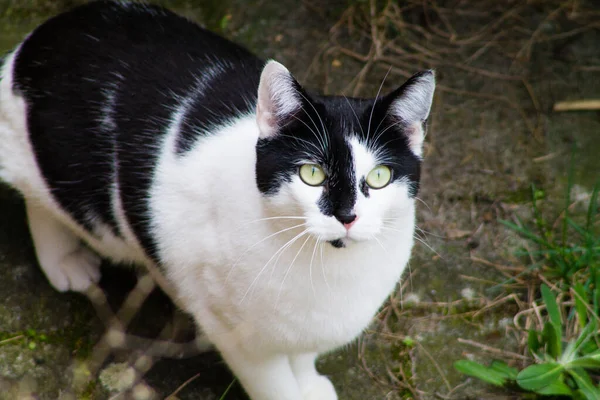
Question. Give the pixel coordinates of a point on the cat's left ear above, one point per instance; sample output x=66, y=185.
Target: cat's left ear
x=411, y=104
x=279, y=98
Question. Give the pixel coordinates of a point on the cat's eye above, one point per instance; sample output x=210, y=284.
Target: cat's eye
x=312, y=174
x=379, y=177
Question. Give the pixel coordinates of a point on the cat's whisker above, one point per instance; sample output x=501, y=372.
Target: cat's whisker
x=375, y=102
x=323, y=267
x=268, y=219
x=256, y=244
x=378, y=135
x=418, y=238
x=416, y=227
x=355, y=116
x=314, y=146
x=319, y=139
x=274, y=264
x=281, y=250
x=424, y=232
x=380, y=244
x=409, y=277
x=310, y=267
x=423, y=201
x=290, y=268
x=318, y=116
x=427, y=245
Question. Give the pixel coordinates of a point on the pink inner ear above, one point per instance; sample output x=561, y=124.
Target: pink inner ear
x=415, y=136
x=267, y=123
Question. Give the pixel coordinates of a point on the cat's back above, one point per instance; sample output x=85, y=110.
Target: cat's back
x=88, y=97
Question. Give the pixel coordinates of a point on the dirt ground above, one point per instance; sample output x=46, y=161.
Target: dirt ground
x=490, y=137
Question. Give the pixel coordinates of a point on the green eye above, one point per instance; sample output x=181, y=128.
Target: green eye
x=312, y=174
x=379, y=177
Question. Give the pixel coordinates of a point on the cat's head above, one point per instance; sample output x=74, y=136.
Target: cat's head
x=345, y=165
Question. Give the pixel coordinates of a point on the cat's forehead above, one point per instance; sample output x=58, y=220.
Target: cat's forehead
x=345, y=115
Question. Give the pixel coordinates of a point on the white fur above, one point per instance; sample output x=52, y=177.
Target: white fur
x=268, y=302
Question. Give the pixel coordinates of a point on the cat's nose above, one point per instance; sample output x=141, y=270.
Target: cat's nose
x=347, y=219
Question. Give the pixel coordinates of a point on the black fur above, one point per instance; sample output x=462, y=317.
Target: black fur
x=149, y=58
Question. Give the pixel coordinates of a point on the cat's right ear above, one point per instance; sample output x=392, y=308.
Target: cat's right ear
x=278, y=98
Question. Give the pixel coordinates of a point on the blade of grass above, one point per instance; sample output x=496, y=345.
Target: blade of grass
x=580, y=302
x=526, y=233
x=227, y=390
x=565, y=224
x=592, y=208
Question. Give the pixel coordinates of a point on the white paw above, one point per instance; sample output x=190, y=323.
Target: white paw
x=319, y=388
x=76, y=271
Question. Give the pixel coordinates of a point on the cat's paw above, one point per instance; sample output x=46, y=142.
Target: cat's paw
x=76, y=271
x=319, y=388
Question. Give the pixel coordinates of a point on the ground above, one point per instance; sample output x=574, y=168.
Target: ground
x=489, y=139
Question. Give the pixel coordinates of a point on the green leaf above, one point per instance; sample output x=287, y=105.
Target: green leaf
x=591, y=360
x=557, y=388
x=537, y=376
x=597, y=294
x=552, y=341
x=479, y=371
x=586, y=334
x=555, y=319
x=507, y=371
x=551, y=306
x=533, y=342
x=580, y=303
x=584, y=362
x=585, y=385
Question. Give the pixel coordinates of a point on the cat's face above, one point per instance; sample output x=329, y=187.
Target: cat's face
x=348, y=167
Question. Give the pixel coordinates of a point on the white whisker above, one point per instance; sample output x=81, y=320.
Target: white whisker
x=375, y=102
x=310, y=267
x=417, y=238
x=422, y=201
x=290, y=268
x=318, y=116
x=355, y=116
x=281, y=250
x=256, y=244
x=321, y=143
x=323, y=268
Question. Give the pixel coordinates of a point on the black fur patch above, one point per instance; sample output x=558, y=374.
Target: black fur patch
x=149, y=59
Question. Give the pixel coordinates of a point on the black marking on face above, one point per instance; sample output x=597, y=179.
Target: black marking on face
x=364, y=188
x=338, y=243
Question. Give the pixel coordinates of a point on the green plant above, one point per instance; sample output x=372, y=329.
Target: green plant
x=565, y=341
x=562, y=368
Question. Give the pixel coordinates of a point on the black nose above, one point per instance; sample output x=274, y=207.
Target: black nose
x=345, y=217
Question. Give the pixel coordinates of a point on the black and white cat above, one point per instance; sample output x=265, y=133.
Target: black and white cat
x=281, y=219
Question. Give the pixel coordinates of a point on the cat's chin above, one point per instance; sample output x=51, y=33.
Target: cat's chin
x=345, y=242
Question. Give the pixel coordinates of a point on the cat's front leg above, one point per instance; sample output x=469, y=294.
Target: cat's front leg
x=268, y=377
x=312, y=385
x=67, y=263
